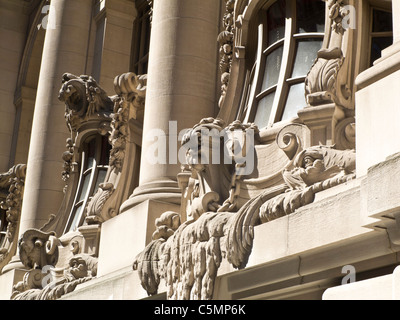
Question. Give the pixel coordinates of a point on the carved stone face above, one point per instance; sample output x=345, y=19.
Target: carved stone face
x=78, y=267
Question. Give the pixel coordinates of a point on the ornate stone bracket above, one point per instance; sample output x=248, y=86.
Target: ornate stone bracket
x=89, y=108
x=188, y=257
x=12, y=183
x=125, y=139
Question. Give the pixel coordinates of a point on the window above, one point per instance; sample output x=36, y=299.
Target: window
x=94, y=165
x=381, y=33
x=290, y=33
x=141, y=38
x=3, y=226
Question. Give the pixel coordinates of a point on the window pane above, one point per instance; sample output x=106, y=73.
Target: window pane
x=276, y=21
x=3, y=226
x=105, y=151
x=100, y=178
x=306, y=52
x=85, y=186
x=272, y=68
x=90, y=151
x=382, y=21
x=264, y=110
x=378, y=44
x=295, y=101
x=310, y=16
x=77, y=215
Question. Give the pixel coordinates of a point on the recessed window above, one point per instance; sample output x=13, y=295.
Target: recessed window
x=94, y=165
x=381, y=33
x=290, y=34
x=3, y=226
x=141, y=38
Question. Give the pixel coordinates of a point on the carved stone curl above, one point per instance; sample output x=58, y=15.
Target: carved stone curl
x=39, y=251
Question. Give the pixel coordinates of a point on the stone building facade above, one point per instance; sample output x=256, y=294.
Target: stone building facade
x=199, y=149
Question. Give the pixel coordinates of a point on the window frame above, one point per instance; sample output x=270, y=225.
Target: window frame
x=372, y=34
x=141, y=38
x=285, y=81
x=3, y=226
x=76, y=217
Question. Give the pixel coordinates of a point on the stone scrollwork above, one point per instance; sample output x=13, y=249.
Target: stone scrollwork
x=48, y=277
x=226, y=42
x=125, y=135
x=187, y=254
x=330, y=79
x=12, y=184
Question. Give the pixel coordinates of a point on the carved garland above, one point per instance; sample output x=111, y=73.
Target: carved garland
x=225, y=40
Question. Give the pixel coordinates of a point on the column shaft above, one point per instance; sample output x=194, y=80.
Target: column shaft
x=65, y=50
x=181, y=85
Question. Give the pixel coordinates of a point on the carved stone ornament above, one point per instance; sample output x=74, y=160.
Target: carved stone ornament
x=47, y=279
x=83, y=97
x=225, y=40
x=127, y=116
x=12, y=184
x=330, y=79
x=121, y=116
x=187, y=257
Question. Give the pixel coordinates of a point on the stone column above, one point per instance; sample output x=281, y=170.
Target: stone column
x=14, y=19
x=65, y=50
x=181, y=87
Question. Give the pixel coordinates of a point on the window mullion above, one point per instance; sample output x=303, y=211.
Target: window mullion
x=260, y=60
x=282, y=88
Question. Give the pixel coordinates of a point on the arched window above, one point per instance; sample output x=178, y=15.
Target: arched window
x=94, y=164
x=381, y=32
x=290, y=33
x=141, y=38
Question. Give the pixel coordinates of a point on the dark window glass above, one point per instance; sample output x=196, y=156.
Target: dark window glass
x=382, y=21
x=310, y=16
x=276, y=15
x=377, y=45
